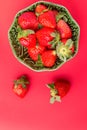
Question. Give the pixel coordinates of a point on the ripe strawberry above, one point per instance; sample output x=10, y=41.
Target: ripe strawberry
x=65, y=49
x=35, y=51
x=28, y=20
x=47, y=37
x=39, y=9
x=44, y=36
x=64, y=29
x=28, y=41
x=55, y=13
x=48, y=58
x=58, y=89
x=20, y=86
x=47, y=19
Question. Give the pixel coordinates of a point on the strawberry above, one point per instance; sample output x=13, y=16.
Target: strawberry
x=28, y=20
x=64, y=29
x=47, y=37
x=47, y=19
x=58, y=90
x=40, y=9
x=28, y=41
x=55, y=13
x=65, y=49
x=20, y=86
x=48, y=58
x=35, y=51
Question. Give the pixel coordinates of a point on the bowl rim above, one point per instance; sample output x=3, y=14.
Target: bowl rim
x=44, y=69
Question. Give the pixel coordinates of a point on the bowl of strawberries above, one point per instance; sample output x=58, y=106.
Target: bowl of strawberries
x=44, y=36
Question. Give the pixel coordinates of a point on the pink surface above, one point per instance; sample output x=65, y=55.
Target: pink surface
x=34, y=111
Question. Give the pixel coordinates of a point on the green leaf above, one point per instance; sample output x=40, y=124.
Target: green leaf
x=37, y=14
x=51, y=85
x=53, y=34
x=60, y=16
x=58, y=99
x=39, y=62
x=22, y=80
x=63, y=58
x=69, y=43
x=24, y=85
x=25, y=33
x=56, y=39
x=19, y=29
x=52, y=100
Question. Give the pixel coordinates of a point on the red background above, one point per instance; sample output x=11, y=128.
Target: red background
x=34, y=112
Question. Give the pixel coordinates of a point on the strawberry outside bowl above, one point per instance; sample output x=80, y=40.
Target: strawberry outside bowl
x=21, y=52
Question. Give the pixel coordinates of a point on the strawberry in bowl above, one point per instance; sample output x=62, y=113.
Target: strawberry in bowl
x=44, y=36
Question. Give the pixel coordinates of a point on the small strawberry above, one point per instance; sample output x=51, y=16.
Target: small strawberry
x=28, y=20
x=35, y=51
x=47, y=19
x=48, y=58
x=47, y=37
x=58, y=90
x=65, y=49
x=28, y=41
x=20, y=87
x=40, y=9
x=64, y=29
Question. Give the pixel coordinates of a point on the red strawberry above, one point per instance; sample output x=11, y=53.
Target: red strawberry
x=28, y=20
x=64, y=29
x=55, y=13
x=47, y=19
x=65, y=49
x=58, y=89
x=40, y=8
x=48, y=58
x=46, y=35
x=20, y=86
x=35, y=51
x=28, y=41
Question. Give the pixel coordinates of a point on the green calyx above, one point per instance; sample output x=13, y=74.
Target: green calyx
x=61, y=15
x=38, y=14
x=53, y=93
x=24, y=33
x=22, y=80
x=39, y=62
x=64, y=50
x=45, y=10
x=56, y=39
